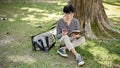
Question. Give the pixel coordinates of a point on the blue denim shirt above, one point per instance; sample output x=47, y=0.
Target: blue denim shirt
x=61, y=24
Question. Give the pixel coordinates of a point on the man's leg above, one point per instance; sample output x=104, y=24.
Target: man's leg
x=62, y=50
x=71, y=48
x=66, y=40
x=77, y=42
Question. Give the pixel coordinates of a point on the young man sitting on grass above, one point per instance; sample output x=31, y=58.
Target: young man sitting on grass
x=64, y=27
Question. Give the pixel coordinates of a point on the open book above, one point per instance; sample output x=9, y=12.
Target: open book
x=76, y=32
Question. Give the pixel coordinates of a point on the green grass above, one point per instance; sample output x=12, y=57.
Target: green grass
x=23, y=21
x=113, y=11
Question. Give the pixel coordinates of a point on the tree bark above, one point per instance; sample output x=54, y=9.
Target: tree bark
x=89, y=11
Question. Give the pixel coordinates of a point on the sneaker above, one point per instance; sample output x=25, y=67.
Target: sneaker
x=62, y=52
x=80, y=60
x=81, y=63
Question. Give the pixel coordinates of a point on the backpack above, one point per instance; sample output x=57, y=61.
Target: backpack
x=44, y=41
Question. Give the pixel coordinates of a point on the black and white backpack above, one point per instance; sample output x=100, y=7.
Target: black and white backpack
x=44, y=41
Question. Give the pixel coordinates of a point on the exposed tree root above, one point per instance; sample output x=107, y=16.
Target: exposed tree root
x=89, y=33
x=106, y=23
x=103, y=30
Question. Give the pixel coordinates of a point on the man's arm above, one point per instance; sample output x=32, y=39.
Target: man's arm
x=78, y=25
x=58, y=30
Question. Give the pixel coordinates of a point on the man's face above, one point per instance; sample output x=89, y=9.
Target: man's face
x=69, y=15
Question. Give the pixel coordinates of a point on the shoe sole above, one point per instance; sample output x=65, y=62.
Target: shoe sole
x=81, y=63
x=62, y=54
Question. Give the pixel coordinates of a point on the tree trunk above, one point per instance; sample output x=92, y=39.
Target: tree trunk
x=89, y=11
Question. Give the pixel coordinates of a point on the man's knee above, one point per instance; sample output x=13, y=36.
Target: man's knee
x=83, y=39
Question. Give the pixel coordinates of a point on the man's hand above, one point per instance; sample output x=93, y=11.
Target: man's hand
x=75, y=35
x=64, y=33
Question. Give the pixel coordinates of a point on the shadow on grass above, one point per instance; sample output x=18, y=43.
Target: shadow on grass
x=116, y=26
x=112, y=46
x=90, y=60
x=21, y=15
x=21, y=23
x=29, y=59
x=117, y=62
x=104, y=53
x=113, y=50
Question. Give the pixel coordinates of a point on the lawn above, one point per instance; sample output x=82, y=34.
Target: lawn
x=24, y=20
